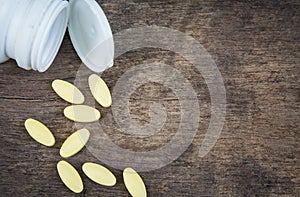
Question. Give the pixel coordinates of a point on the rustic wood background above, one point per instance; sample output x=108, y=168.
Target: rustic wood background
x=256, y=47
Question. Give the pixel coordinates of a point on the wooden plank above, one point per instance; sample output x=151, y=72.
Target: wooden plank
x=255, y=45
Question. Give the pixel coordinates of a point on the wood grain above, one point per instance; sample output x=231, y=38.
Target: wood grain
x=255, y=45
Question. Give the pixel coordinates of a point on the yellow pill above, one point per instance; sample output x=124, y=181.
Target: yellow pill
x=134, y=183
x=100, y=90
x=99, y=174
x=74, y=143
x=82, y=113
x=67, y=91
x=70, y=176
x=39, y=132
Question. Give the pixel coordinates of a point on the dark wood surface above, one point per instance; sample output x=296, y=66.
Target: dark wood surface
x=256, y=47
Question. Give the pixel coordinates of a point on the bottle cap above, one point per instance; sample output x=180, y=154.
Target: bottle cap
x=91, y=34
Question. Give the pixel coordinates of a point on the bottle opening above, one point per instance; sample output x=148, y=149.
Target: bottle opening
x=52, y=39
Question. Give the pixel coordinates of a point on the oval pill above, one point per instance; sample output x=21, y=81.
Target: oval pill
x=39, y=132
x=82, y=113
x=99, y=174
x=100, y=90
x=70, y=176
x=67, y=91
x=134, y=183
x=74, y=143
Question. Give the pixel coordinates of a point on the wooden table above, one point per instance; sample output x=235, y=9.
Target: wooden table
x=256, y=48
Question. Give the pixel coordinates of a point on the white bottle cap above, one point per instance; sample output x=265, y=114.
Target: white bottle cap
x=91, y=34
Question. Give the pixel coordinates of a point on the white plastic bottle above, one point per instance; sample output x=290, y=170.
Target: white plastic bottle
x=33, y=30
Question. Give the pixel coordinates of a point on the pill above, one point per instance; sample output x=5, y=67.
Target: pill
x=100, y=90
x=134, y=183
x=39, y=132
x=70, y=176
x=99, y=174
x=67, y=91
x=74, y=143
x=82, y=113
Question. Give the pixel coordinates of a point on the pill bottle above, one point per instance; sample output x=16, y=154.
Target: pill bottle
x=32, y=32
